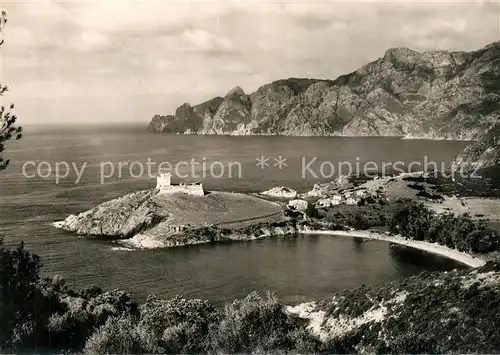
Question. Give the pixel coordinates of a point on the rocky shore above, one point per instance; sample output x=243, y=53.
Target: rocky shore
x=122, y=217
x=212, y=234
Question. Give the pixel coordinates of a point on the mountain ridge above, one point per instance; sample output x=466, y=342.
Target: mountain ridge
x=432, y=94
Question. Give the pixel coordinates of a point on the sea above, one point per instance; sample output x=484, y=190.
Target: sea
x=57, y=170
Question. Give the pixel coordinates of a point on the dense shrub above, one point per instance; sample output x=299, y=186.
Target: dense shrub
x=360, y=217
x=259, y=324
x=117, y=336
x=359, y=221
x=176, y=325
x=84, y=313
x=311, y=211
x=412, y=221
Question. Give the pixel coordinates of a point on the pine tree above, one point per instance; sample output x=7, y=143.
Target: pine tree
x=8, y=128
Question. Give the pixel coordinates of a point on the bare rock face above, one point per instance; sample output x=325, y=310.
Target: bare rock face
x=446, y=95
x=481, y=154
x=232, y=114
x=122, y=217
x=280, y=192
x=434, y=95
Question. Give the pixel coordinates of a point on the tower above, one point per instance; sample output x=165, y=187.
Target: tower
x=163, y=180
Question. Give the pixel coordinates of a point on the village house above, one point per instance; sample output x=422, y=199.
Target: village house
x=347, y=194
x=360, y=193
x=328, y=202
x=176, y=228
x=351, y=201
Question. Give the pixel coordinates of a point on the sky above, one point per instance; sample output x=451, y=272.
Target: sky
x=114, y=61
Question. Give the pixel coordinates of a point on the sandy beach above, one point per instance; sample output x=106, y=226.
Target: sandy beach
x=428, y=247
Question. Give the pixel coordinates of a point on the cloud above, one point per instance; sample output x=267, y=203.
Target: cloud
x=86, y=41
x=146, y=57
x=204, y=41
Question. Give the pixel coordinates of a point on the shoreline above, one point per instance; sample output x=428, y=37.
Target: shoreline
x=433, y=248
x=332, y=135
x=141, y=242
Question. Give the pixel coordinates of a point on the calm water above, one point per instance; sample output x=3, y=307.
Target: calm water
x=296, y=268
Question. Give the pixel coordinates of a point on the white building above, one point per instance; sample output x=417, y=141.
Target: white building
x=164, y=186
x=299, y=205
x=350, y=201
x=360, y=193
x=328, y=202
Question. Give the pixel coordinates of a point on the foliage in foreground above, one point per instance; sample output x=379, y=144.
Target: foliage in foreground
x=254, y=324
x=8, y=128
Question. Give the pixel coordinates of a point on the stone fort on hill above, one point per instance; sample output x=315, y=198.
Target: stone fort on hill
x=164, y=186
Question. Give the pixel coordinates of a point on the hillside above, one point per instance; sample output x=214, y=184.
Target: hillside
x=438, y=94
x=430, y=313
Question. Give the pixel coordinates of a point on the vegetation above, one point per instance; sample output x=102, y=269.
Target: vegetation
x=311, y=211
x=441, y=184
x=431, y=313
x=8, y=128
x=363, y=216
x=415, y=221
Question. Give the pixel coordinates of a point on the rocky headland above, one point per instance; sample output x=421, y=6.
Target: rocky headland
x=148, y=219
x=122, y=217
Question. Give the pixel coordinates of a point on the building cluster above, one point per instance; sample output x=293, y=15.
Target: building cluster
x=345, y=198
x=176, y=228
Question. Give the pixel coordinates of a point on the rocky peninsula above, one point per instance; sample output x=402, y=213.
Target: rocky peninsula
x=147, y=219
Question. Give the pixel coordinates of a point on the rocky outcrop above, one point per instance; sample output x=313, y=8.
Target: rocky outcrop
x=482, y=154
x=280, y=192
x=122, y=217
x=435, y=94
x=215, y=234
x=331, y=188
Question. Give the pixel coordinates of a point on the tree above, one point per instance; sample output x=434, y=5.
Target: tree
x=8, y=128
x=412, y=221
x=311, y=211
x=19, y=276
x=359, y=221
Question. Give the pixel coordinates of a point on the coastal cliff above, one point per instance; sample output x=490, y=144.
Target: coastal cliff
x=122, y=217
x=437, y=95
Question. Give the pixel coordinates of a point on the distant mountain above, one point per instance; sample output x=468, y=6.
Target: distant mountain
x=437, y=94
